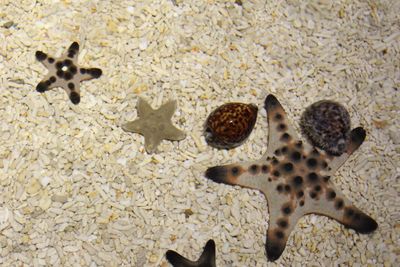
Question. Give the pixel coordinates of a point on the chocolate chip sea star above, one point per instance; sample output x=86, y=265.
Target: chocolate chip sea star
x=64, y=72
x=295, y=178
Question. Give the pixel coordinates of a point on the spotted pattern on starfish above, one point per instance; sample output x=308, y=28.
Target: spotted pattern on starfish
x=64, y=72
x=207, y=258
x=295, y=178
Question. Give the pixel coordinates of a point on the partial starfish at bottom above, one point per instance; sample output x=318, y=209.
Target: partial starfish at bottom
x=207, y=258
x=295, y=178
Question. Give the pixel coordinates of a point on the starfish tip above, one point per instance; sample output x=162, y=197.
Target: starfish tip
x=172, y=257
x=358, y=135
x=95, y=72
x=40, y=55
x=216, y=174
x=367, y=226
x=74, y=46
x=371, y=226
x=210, y=245
x=270, y=102
x=75, y=98
x=180, y=137
x=41, y=87
x=150, y=149
x=126, y=127
x=274, y=251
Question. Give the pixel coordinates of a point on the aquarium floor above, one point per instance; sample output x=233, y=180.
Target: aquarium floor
x=77, y=190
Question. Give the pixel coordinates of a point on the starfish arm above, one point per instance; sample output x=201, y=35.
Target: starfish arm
x=173, y=133
x=280, y=130
x=74, y=93
x=143, y=107
x=248, y=174
x=133, y=126
x=167, y=110
x=44, y=59
x=85, y=74
x=177, y=260
x=207, y=258
x=73, y=51
x=45, y=84
x=332, y=203
x=151, y=142
x=281, y=224
x=357, y=137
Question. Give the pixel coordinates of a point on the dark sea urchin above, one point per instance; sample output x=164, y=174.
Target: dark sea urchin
x=327, y=125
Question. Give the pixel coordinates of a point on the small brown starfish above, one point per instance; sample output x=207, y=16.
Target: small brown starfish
x=64, y=72
x=154, y=125
x=295, y=178
x=207, y=258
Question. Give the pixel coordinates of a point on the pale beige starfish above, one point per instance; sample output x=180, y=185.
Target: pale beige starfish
x=154, y=125
x=295, y=178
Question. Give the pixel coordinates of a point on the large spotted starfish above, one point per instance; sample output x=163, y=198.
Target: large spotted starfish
x=64, y=72
x=207, y=258
x=295, y=178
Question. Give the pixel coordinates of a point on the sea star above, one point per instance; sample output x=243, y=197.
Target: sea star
x=154, y=125
x=207, y=258
x=295, y=178
x=65, y=72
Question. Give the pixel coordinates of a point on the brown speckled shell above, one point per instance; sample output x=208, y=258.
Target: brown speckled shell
x=326, y=124
x=229, y=125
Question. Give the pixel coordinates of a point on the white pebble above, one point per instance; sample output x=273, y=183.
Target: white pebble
x=395, y=136
x=45, y=202
x=59, y=198
x=4, y=216
x=45, y=180
x=143, y=44
x=130, y=9
x=297, y=23
x=310, y=24
x=71, y=248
